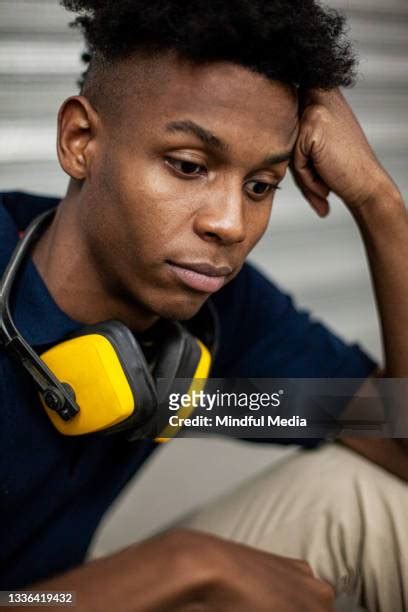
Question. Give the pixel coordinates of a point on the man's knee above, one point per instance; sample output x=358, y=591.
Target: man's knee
x=329, y=506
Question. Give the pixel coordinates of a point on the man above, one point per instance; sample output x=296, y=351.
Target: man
x=186, y=124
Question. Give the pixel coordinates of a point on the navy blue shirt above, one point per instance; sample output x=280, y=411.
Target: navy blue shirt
x=54, y=489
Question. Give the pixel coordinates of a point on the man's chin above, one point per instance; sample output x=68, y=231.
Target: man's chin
x=180, y=310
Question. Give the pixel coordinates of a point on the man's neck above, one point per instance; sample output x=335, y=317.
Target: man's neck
x=72, y=277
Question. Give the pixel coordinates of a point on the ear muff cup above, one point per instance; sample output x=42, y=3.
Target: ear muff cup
x=136, y=370
x=182, y=367
x=105, y=366
x=108, y=372
x=178, y=358
x=178, y=355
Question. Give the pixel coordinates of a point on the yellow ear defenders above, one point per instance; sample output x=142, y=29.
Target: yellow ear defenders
x=98, y=379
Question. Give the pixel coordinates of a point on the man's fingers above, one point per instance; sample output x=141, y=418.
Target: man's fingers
x=316, y=195
x=307, y=179
x=303, y=566
x=306, y=174
x=320, y=205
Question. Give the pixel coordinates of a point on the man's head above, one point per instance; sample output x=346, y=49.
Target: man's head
x=184, y=130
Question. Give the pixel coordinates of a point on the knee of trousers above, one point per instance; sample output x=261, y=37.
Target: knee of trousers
x=331, y=507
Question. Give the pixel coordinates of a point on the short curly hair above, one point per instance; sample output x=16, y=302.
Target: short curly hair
x=299, y=42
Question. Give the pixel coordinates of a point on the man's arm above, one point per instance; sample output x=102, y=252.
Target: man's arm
x=333, y=154
x=383, y=223
x=185, y=570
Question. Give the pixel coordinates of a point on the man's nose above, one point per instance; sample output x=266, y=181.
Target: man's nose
x=222, y=217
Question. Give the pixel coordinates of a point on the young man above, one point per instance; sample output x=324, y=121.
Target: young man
x=186, y=124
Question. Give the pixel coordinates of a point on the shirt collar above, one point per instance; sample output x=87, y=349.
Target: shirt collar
x=37, y=317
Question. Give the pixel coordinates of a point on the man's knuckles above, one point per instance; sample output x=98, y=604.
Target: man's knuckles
x=302, y=566
x=206, y=560
x=211, y=564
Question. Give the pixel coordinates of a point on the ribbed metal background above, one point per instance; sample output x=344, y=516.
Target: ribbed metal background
x=321, y=262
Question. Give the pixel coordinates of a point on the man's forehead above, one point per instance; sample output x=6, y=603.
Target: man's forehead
x=169, y=86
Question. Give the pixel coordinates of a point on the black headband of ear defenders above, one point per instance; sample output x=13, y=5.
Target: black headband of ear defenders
x=56, y=395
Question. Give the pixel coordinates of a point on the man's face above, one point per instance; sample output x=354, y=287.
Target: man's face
x=182, y=179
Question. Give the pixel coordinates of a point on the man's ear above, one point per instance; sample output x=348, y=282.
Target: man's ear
x=77, y=126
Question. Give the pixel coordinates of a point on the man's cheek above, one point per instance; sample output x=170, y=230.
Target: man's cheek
x=257, y=230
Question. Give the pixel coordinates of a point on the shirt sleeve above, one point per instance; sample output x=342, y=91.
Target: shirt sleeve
x=263, y=335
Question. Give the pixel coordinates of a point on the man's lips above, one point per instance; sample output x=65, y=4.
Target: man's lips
x=201, y=276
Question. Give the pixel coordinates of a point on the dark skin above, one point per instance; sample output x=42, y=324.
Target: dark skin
x=149, y=187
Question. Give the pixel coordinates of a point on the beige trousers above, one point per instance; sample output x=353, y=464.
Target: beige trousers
x=331, y=507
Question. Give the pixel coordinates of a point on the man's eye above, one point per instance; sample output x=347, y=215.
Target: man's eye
x=259, y=188
x=185, y=167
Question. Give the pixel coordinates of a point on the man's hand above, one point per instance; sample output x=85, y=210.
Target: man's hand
x=184, y=570
x=333, y=154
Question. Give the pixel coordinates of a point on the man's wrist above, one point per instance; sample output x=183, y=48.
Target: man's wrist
x=382, y=209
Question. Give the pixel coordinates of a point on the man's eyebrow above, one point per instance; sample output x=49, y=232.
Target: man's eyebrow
x=208, y=138
x=203, y=134
x=278, y=158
